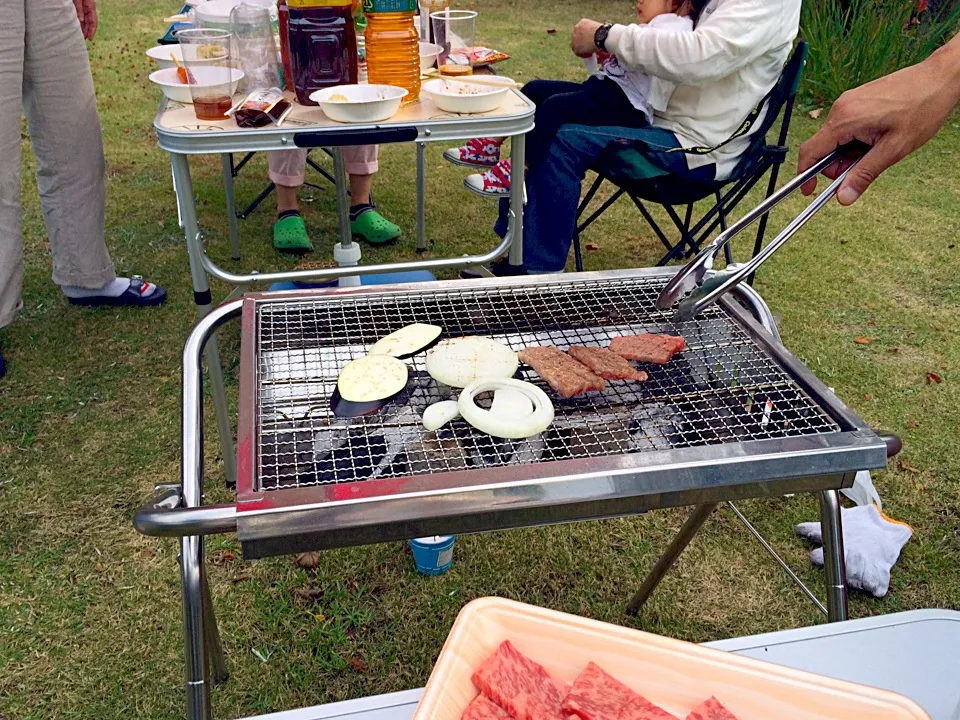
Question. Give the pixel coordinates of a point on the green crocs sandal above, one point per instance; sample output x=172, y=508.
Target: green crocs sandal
x=290, y=235
x=374, y=228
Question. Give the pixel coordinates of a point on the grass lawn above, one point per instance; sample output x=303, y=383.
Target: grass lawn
x=89, y=418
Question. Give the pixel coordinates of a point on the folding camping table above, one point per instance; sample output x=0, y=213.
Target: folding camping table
x=181, y=134
x=912, y=653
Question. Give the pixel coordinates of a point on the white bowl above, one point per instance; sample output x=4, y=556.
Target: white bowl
x=429, y=53
x=161, y=56
x=466, y=98
x=205, y=76
x=363, y=104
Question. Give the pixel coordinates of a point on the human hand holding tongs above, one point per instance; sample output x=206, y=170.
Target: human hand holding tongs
x=697, y=286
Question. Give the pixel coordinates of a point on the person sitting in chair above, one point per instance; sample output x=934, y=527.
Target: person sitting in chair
x=723, y=71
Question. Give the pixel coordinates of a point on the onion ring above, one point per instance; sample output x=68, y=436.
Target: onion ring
x=498, y=425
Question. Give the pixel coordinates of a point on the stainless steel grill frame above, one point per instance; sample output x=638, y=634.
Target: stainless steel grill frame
x=698, y=431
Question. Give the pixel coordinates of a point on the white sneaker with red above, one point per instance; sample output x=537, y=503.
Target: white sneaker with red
x=495, y=182
x=479, y=152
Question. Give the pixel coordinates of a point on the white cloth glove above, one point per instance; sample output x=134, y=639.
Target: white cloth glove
x=871, y=545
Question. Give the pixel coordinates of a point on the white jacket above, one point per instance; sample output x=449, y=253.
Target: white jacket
x=723, y=69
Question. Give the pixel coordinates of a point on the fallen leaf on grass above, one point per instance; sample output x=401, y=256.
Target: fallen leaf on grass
x=552, y=31
x=590, y=247
x=357, y=664
x=904, y=467
x=868, y=398
x=308, y=560
x=222, y=558
x=871, y=324
x=893, y=350
x=932, y=377
x=815, y=114
x=863, y=340
x=308, y=594
x=242, y=576
x=913, y=424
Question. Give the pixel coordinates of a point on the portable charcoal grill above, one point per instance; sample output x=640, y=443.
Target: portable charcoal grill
x=735, y=415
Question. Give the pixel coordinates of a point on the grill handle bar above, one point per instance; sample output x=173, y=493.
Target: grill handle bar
x=176, y=511
x=165, y=517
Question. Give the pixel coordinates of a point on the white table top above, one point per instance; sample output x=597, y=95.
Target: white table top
x=913, y=653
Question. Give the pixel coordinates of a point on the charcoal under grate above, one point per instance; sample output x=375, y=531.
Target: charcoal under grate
x=724, y=388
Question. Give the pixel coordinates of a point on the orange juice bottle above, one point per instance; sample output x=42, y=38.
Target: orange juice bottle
x=392, y=44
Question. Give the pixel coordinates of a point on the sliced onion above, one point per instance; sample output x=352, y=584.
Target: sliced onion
x=511, y=403
x=460, y=361
x=407, y=340
x=439, y=414
x=499, y=425
x=372, y=377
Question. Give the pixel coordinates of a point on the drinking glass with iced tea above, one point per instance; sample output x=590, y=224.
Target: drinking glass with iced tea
x=455, y=31
x=206, y=55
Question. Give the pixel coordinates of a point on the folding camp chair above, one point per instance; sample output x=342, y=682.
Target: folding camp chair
x=671, y=191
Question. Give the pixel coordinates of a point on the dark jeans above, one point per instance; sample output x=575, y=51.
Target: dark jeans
x=553, y=186
x=598, y=101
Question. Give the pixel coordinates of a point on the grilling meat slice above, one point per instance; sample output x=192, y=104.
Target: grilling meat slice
x=606, y=364
x=562, y=372
x=647, y=348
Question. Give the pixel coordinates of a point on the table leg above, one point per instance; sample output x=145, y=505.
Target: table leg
x=683, y=537
x=204, y=301
x=518, y=146
x=227, y=160
x=833, y=561
x=421, y=197
x=346, y=252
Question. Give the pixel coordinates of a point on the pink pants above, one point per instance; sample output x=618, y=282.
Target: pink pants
x=287, y=166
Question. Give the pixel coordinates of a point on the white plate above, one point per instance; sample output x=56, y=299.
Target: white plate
x=205, y=77
x=466, y=98
x=429, y=53
x=161, y=56
x=363, y=104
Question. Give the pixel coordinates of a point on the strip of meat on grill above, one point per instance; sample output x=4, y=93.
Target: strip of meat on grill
x=646, y=347
x=606, y=364
x=564, y=374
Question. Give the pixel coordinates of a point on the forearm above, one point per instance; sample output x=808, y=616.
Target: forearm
x=945, y=63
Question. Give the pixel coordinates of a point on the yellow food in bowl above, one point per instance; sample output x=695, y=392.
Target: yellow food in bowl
x=338, y=98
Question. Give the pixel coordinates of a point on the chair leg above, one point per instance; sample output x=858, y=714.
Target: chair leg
x=577, y=251
x=255, y=203
x=762, y=227
x=722, y=215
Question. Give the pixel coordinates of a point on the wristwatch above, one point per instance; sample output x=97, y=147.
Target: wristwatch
x=600, y=36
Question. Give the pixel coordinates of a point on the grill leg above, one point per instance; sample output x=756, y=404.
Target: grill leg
x=217, y=669
x=833, y=562
x=204, y=301
x=195, y=655
x=686, y=533
x=227, y=160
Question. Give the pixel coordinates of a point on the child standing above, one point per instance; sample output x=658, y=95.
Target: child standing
x=614, y=95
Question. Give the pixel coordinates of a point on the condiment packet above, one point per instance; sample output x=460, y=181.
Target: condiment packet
x=261, y=107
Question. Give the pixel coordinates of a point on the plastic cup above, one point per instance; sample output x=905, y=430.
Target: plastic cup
x=455, y=31
x=433, y=555
x=206, y=56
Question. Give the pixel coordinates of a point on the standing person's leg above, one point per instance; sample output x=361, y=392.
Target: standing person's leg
x=61, y=110
x=12, y=37
x=12, y=34
x=287, y=169
x=366, y=223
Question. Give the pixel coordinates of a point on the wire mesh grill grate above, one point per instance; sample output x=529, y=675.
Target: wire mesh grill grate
x=722, y=389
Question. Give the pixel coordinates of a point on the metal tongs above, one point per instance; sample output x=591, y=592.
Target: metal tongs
x=697, y=286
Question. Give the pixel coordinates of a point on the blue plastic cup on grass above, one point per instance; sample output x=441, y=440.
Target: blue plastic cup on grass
x=433, y=555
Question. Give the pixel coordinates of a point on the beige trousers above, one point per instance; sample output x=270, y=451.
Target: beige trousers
x=45, y=74
x=287, y=166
